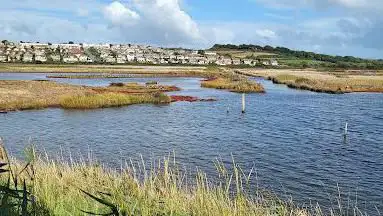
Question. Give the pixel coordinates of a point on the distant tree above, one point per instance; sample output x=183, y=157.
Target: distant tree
x=70, y=42
x=50, y=44
x=201, y=52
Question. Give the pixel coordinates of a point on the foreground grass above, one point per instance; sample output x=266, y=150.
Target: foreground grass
x=234, y=85
x=160, y=188
x=23, y=95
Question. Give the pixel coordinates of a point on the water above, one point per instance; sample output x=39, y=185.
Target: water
x=294, y=139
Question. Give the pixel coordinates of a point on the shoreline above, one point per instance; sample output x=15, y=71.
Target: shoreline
x=319, y=81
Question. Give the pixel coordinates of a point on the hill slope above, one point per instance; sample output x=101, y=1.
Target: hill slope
x=295, y=58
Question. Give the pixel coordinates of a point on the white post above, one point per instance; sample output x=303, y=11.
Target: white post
x=243, y=103
x=346, y=129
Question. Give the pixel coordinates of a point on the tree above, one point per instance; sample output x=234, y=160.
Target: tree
x=70, y=42
x=201, y=52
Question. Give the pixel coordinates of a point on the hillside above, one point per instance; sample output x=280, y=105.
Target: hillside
x=297, y=59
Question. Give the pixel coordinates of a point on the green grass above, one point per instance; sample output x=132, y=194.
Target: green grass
x=45, y=186
x=159, y=188
x=92, y=101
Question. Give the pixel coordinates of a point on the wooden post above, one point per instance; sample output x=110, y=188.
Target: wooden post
x=243, y=103
x=346, y=129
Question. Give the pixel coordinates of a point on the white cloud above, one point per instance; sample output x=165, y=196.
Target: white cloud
x=118, y=14
x=168, y=15
x=161, y=22
x=165, y=23
x=372, y=5
x=266, y=33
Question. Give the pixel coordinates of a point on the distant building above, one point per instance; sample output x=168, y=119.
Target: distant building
x=274, y=62
x=3, y=58
x=28, y=57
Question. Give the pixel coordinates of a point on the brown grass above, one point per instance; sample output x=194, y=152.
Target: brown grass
x=326, y=82
x=107, y=69
x=93, y=101
x=233, y=85
x=22, y=95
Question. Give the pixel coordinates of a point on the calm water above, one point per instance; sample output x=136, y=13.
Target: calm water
x=293, y=138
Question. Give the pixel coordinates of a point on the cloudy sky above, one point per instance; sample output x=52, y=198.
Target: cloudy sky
x=341, y=27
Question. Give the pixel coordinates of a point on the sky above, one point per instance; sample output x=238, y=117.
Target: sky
x=337, y=27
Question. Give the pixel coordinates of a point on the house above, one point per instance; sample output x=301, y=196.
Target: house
x=28, y=57
x=266, y=63
x=130, y=57
x=248, y=62
x=141, y=59
x=41, y=58
x=70, y=59
x=55, y=57
x=83, y=58
x=121, y=59
x=236, y=61
x=274, y=62
x=110, y=59
x=3, y=58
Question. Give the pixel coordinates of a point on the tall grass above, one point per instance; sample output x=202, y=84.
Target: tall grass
x=234, y=85
x=46, y=186
x=91, y=101
x=25, y=104
x=337, y=85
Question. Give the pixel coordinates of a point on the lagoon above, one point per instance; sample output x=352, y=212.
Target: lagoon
x=293, y=139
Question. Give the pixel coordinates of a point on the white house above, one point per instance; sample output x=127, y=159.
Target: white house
x=41, y=58
x=3, y=58
x=28, y=57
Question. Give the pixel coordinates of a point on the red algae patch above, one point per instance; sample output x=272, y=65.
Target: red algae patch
x=179, y=98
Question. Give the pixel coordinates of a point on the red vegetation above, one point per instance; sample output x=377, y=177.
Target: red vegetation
x=178, y=98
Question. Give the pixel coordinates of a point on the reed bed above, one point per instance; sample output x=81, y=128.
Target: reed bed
x=24, y=95
x=41, y=185
x=334, y=82
x=338, y=85
x=58, y=187
x=234, y=85
x=104, y=100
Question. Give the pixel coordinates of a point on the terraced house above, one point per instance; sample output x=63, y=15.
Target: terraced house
x=113, y=54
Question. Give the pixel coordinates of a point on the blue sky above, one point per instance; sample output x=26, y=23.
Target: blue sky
x=339, y=27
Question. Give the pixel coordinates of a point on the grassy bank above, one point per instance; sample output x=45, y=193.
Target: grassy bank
x=233, y=85
x=323, y=81
x=335, y=86
x=77, y=188
x=105, y=100
x=108, y=69
x=23, y=95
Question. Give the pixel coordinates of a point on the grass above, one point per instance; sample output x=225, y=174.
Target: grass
x=45, y=186
x=107, y=69
x=242, y=54
x=233, y=85
x=67, y=187
x=104, y=100
x=337, y=82
x=24, y=95
x=338, y=85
